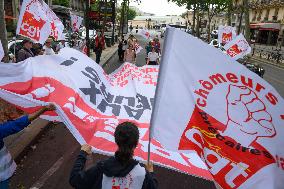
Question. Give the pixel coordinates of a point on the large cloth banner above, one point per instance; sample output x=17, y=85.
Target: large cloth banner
x=92, y=103
x=210, y=104
x=238, y=48
x=76, y=22
x=33, y=21
x=226, y=34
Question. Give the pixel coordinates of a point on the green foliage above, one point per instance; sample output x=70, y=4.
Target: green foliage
x=64, y=3
x=131, y=14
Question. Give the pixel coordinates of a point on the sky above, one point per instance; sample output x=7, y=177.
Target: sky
x=159, y=7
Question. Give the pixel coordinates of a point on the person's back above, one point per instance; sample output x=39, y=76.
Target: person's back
x=25, y=52
x=120, y=171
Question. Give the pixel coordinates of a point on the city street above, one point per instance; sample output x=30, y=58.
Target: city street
x=48, y=161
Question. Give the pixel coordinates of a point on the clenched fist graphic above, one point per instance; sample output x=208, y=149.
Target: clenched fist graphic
x=247, y=116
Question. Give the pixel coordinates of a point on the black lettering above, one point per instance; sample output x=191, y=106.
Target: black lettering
x=230, y=143
x=69, y=62
x=92, y=92
x=94, y=75
x=267, y=154
x=130, y=100
x=238, y=146
x=115, y=108
x=109, y=97
x=255, y=151
x=244, y=149
x=212, y=130
x=220, y=137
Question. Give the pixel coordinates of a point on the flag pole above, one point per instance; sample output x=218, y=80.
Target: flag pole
x=164, y=58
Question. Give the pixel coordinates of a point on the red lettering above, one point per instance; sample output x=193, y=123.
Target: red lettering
x=232, y=77
x=271, y=98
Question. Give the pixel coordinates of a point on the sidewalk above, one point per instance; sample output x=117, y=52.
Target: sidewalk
x=107, y=54
x=19, y=142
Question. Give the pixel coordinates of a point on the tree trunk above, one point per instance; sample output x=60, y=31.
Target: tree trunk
x=240, y=22
x=3, y=33
x=209, y=25
x=198, y=22
x=193, y=20
x=122, y=17
x=105, y=12
x=229, y=15
x=247, y=26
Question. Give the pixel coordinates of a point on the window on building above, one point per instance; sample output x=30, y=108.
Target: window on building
x=266, y=15
x=254, y=16
x=275, y=17
x=259, y=15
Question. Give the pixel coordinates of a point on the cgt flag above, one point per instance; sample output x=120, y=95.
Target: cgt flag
x=228, y=115
x=226, y=34
x=92, y=103
x=137, y=48
x=238, y=48
x=76, y=22
x=33, y=21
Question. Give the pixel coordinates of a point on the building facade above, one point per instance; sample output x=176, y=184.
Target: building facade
x=266, y=20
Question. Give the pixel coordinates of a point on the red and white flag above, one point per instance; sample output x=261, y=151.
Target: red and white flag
x=33, y=21
x=92, y=103
x=238, y=48
x=145, y=33
x=228, y=115
x=226, y=34
x=137, y=48
x=76, y=22
x=55, y=23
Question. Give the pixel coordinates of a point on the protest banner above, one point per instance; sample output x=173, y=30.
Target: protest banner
x=144, y=33
x=33, y=22
x=226, y=34
x=233, y=119
x=137, y=48
x=55, y=23
x=92, y=103
x=238, y=48
x=76, y=22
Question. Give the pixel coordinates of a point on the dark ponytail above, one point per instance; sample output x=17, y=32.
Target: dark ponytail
x=126, y=137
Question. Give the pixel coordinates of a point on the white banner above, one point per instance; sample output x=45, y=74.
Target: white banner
x=144, y=33
x=238, y=48
x=55, y=23
x=2, y=54
x=33, y=21
x=226, y=34
x=137, y=48
x=76, y=22
x=92, y=103
x=211, y=105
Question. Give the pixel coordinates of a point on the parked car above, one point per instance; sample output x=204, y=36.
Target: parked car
x=254, y=67
x=215, y=43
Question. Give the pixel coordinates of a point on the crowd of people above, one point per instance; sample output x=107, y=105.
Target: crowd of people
x=127, y=50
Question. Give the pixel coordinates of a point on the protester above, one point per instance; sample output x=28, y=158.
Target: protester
x=120, y=171
x=26, y=51
x=47, y=47
x=122, y=46
x=153, y=57
x=131, y=28
x=156, y=44
x=99, y=46
x=37, y=49
x=60, y=45
x=137, y=29
x=7, y=165
x=129, y=54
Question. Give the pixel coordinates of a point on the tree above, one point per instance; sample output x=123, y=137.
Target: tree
x=247, y=26
x=64, y=3
x=3, y=34
x=131, y=14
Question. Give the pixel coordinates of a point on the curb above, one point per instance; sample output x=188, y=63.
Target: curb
x=18, y=143
x=267, y=62
x=109, y=57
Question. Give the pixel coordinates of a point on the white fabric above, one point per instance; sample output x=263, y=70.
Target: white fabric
x=33, y=21
x=91, y=103
x=48, y=50
x=76, y=22
x=209, y=104
x=226, y=34
x=2, y=54
x=238, y=48
x=134, y=180
x=7, y=165
x=153, y=56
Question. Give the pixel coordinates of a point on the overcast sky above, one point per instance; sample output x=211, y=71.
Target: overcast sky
x=159, y=7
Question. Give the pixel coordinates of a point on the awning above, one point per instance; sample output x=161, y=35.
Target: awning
x=266, y=26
